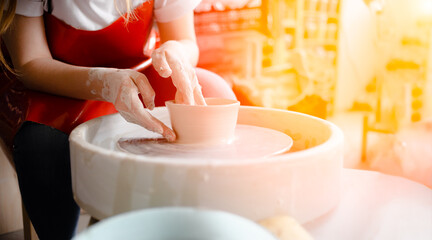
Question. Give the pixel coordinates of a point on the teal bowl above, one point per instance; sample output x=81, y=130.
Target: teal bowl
x=176, y=223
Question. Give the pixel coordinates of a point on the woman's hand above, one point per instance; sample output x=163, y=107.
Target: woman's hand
x=171, y=60
x=121, y=87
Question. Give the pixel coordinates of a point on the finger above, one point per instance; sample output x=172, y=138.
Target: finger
x=162, y=129
x=141, y=116
x=160, y=63
x=186, y=95
x=181, y=80
x=198, y=96
x=178, y=97
x=145, y=88
x=168, y=133
x=145, y=119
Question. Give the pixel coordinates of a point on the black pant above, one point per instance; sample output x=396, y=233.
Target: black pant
x=42, y=161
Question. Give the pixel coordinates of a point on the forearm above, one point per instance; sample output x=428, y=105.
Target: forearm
x=55, y=77
x=32, y=60
x=27, y=46
x=181, y=30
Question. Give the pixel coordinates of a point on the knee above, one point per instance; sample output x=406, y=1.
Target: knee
x=214, y=85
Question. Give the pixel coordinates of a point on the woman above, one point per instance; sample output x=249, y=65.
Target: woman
x=77, y=57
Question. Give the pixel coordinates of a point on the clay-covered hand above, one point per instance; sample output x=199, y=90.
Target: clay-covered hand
x=171, y=60
x=121, y=87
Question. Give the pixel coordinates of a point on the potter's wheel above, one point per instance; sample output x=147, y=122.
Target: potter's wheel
x=303, y=183
x=249, y=142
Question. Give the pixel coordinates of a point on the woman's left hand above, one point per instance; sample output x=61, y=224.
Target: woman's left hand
x=171, y=60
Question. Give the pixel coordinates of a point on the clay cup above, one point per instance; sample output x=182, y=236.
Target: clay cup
x=211, y=124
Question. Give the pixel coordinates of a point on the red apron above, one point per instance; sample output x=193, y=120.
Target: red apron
x=119, y=45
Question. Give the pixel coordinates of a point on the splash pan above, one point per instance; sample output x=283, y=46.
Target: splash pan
x=250, y=142
x=303, y=182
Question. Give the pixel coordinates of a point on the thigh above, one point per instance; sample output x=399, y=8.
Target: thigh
x=41, y=151
x=214, y=85
x=42, y=163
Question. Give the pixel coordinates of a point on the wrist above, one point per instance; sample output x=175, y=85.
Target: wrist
x=103, y=83
x=191, y=48
x=187, y=48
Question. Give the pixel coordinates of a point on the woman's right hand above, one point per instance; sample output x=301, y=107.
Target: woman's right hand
x=172, y=59
x=121, y=87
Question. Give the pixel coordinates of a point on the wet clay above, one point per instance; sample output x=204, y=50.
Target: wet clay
x=250, y=142
x=211, y=124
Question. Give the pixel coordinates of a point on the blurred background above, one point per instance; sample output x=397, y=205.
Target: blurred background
x=321, y=56
x=365, y=65
x=362, y=64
